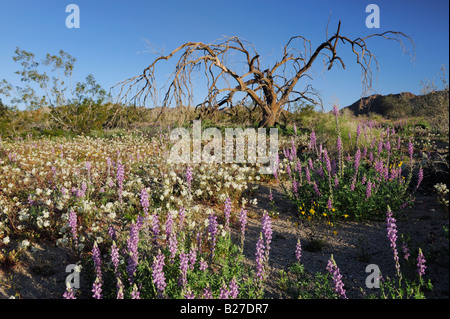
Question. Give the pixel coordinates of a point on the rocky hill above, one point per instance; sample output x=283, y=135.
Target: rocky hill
x=402, y=104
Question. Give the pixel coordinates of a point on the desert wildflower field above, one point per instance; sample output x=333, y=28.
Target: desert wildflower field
x=110, y=216
x=227, y=158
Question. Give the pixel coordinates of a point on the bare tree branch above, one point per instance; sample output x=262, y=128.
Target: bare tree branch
x=269, y=89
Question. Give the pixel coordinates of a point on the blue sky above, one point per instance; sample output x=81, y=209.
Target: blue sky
x=111, y=42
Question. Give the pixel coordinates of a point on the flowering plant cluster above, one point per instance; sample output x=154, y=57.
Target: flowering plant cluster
x=334, y=184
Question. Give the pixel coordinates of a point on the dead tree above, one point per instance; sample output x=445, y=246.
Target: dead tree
x=269, y=88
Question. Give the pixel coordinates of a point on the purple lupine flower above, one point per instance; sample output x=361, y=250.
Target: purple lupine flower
x=224, y=293
x=316, y=189
x=97, y=260
x=212, y=229
x=420, y=177
x=144, y=200
x=184, y=265
x=189, y=295
x=189, y=177
x=73, y=226
x=135, y=294
x=192, y=258
x=233, y=289
x=298, y=250
x=329, y=204
x=308, y=176
x=380, y=148
x=88, y=168
x=421, y=263
x=69, y=293
x=392, y=236
x=182, y=216
x=410, y=150
x=310, y=164
x=267, y=231
x=259, y=256
x=132, y=246
x=97, y=289
x=368, y=189
x=112, y=232
x=363, y=180
x=333, y=269
x=270, y=195
x=227, y=213
x=353, y=185
x=336, y=181
x=169, y=224
x=299, y=167
x=295, y=187
x=207, y=294
x=335, y=110
x=327, y=161
x=203, y=265
x=386, y=173
x=120, y=177
x=159, y=280
x=173, y=245
x=406, y=253
x=339, y=145
x=115, y=257
x=387, y=146
x=357, y=159
x=358, y=133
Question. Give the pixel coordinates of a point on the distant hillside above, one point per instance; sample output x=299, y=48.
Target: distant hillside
x=402, y=104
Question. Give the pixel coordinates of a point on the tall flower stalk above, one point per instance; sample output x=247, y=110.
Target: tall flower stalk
x=392, y=236
x=158, y=277
x=97, y=286
x=333, y=269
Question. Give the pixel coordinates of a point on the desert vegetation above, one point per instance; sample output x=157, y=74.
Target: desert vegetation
x=92, y=176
